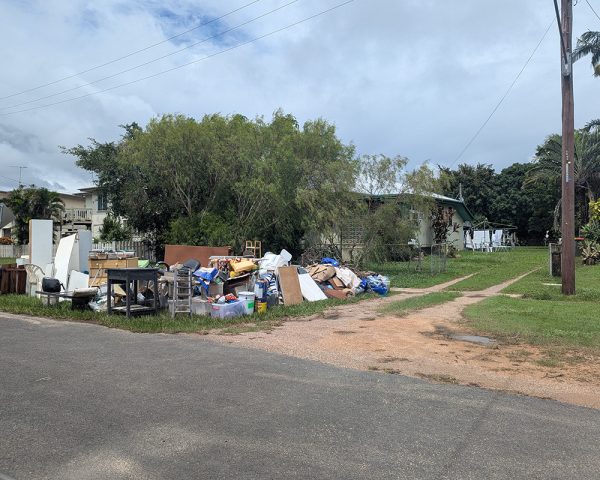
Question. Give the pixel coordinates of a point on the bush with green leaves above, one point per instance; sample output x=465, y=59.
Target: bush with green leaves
x=591, y=231
x=113, y=230
x=590, y=252
x=202, y=229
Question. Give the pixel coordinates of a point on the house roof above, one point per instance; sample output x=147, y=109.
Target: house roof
x=458, y=205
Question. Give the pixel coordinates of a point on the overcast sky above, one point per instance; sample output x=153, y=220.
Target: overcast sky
x=414, y=78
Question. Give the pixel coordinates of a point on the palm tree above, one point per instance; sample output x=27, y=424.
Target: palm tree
x=46, y=204
x=589, y=44
x=30, y=202
x=586, y=165
x=593, y=126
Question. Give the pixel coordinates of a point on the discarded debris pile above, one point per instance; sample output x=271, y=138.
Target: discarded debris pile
x=231, y=286
x=337, y=281
x=221, y=285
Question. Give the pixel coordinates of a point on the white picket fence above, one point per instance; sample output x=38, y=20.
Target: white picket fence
x=13, y=251
x=140, y=248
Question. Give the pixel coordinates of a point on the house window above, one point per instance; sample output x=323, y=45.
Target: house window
x=102, y=202
x=416, y=216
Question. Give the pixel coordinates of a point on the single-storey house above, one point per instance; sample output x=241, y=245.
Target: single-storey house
x=459, y=221
x=462, y=220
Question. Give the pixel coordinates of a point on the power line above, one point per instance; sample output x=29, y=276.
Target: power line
x=590, y=5
x=8, y=178
x=562, y=40
x=495, y=109
x=220, y=34
x=131, y=53
x=255, y=39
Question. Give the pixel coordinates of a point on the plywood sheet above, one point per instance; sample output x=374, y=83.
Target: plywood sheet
x=289, y=283
x=180, y=253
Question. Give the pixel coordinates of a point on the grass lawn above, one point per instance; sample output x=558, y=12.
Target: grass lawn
x=490, y=269
x=403, y=307
x=6, y=261
x=541, y=285
x=544, y=317
x=163, y=323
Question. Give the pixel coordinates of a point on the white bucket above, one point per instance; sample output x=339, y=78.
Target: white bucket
x=247, y=298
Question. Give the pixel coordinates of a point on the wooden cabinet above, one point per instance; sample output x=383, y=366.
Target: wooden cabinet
x=97, y=268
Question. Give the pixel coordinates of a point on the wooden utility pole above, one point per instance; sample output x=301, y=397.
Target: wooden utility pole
x=568, y=152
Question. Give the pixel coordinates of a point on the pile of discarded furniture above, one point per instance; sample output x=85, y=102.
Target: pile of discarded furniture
x=191, y=281
x=59, y=276
x=231, y=286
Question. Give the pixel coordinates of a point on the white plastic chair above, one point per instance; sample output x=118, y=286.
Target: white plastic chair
x=34, y=279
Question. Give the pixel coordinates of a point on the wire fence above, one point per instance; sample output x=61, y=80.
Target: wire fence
x=415, y=257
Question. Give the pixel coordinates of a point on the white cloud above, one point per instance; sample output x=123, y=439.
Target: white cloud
x=415, y=78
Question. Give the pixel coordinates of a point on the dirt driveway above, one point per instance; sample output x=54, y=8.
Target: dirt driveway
x=422, y=344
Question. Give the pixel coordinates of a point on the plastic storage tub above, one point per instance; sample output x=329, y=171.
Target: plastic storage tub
x=247, y=298
x=200, y=306
x=227, y=310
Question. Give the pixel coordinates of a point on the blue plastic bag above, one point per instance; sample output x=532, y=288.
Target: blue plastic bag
x=330, y=261
x=378, y=284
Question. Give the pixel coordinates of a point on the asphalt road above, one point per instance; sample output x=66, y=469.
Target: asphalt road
x=86, y=402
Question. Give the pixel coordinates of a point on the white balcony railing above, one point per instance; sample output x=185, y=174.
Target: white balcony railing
x=72, y=215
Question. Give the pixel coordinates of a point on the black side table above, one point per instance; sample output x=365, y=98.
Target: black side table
x=132, y=276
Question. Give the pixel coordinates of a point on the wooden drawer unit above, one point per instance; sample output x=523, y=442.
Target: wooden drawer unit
x=98, y=268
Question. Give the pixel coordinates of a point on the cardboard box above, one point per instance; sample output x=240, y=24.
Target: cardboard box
x=321, y=273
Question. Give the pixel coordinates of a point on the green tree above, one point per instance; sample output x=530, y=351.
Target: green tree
x=207, y=229
x=544, y=196
x=529, y=206
x=512, y=204
x=269, y=180
x=478, y=187
x=586, y=166
x=29, y=203
x=379, y=174
x=113, y=230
